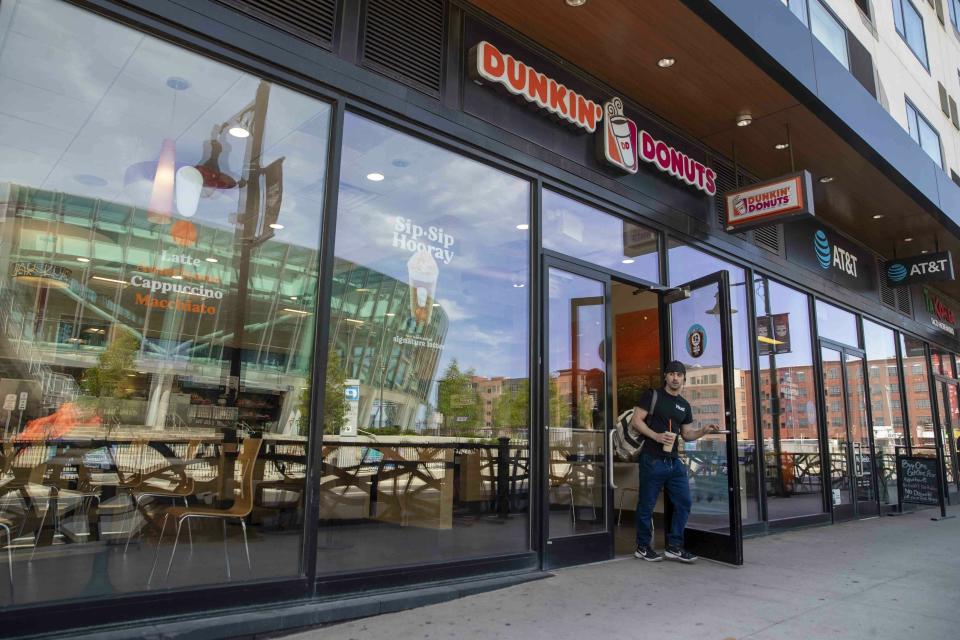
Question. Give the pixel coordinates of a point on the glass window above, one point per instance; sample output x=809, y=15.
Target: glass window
x=880, y=346
x=430, y=278
x=924, y=134
x=686, y=264
x=942, y=361
x=161, y=230
x=918, y=395
x=581, y=231
x=836, y=324
x=798, y=8
x=792, y=462
x=829, y=31
x=954, y=12
x=909, y=24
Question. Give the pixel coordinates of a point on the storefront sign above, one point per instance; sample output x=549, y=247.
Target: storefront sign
x=489, y=64
x=940, y=315
x=771, y=202
x=773, y=334
x=830, y=255
x=621, y=144
x=696, y=340
x=41, y=273
x=932, y=267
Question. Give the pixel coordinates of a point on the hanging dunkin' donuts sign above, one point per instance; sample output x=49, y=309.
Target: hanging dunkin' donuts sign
x=620, y=142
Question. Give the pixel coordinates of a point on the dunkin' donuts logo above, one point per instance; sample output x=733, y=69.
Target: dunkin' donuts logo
x=619, y=137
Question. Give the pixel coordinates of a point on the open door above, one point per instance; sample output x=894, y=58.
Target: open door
x=698, y=316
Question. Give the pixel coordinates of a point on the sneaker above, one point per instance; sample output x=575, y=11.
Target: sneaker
x=648, y=554
x=681, y=554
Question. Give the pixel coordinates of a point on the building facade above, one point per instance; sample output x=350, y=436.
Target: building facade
x=306, y=300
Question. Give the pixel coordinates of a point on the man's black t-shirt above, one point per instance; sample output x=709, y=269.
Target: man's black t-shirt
x=670, y=414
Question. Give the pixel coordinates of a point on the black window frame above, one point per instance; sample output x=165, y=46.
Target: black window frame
x=925, y=60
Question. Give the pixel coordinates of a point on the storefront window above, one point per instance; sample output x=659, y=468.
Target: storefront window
x=428, y=460
x=919, y=410
x=942, y=362
x=686, y=264
x=886, y=405
x=159, y=229
x=788, y=394
x=836, y=324
x=579, y=230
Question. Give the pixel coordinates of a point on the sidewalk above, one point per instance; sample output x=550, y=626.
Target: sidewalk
x=893, y=577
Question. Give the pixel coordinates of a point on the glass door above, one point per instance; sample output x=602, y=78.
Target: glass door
x=948, y=412
x=575, y=415
x=698, y=314
x=853, y=492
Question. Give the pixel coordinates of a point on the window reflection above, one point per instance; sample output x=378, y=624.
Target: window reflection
x=836, y=324
x=886, y=406
x=788, y=402
x=428, y=342
x=159, y=233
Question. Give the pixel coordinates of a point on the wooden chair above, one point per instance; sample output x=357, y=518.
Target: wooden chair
x=239, y=510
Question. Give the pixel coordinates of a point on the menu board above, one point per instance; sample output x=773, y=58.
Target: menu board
x=919, y=480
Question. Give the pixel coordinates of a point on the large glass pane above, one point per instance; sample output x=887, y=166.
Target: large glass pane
x=946, y=395
x=862, y=462
x=576, y=414
x=428, y=335
x=156, y=330
x=886, y=405
x=919, y=409
x=788, y=402
x=836, y=324
x=687, y=264
x=829, y=32
x=942, y=361
x=836, y=424
x=913, y=30
x=579, y=230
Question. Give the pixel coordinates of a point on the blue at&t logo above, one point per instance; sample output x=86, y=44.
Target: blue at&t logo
x=896, y=272
x=822, y=248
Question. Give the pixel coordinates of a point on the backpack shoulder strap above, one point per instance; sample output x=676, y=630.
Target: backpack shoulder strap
x=653, y=402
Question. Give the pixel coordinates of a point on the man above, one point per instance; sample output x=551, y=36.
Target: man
x=660, y=464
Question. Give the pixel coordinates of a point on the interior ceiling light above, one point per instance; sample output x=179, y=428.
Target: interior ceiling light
x=666, y=63
x=375, y=177
x=83, y=259
x=908, y=239
x=576, y=3
x=877, y=216
x=924, y=251
x=780, y=146
x=113, y=280
x=238, y=132
x=627, y=261
x=523, y=227
x=826, y=179
x=211, y=259
x=744, y=120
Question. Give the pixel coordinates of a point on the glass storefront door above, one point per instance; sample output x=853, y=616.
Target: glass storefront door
x=575, y=415
x=948, y=410
x=852, y=470
x=700, y=337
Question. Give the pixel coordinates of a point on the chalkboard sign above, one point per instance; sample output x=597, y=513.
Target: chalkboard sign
x=918, y=480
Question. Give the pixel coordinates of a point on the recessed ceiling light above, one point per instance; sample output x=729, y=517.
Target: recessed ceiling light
x=211, y=260
x=523, y=227
x=177, y=83
x=924, y=251
x=576, y=3
x=744, y=120
x=826, y=179
x=877, y=216
x=908, y=239
x=780, y=146
x=518, y=285
x=389, y=315
x=375, y=177
x=238, y=132
x=627, y=261
x=177, y=277
x=293, y=297
x=666, y=63
x=276, y=226
x=83, y=259
x=113, y=280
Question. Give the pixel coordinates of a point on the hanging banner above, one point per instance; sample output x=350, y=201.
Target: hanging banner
x=930, y=267
x=773, y=334
x=273, y=193
x=779, y=200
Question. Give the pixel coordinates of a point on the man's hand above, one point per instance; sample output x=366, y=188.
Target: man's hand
x=711, y=428
x=665, y=438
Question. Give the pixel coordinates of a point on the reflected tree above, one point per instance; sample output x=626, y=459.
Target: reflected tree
x=334, y=400
x=108, y=379
x=457, y=399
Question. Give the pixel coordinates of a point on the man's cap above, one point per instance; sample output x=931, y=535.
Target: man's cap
x=675, y=366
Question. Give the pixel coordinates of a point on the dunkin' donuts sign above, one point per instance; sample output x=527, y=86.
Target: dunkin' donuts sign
x=620, y=144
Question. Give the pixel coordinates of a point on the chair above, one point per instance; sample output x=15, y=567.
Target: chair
x=239, y=510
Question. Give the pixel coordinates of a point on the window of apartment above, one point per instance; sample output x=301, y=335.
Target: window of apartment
x=829, y=31
x=909, y=24
x=924, y=134
x=954, y=10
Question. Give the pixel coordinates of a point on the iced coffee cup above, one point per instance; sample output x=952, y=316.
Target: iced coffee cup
x=422, y=274
x=668, y=447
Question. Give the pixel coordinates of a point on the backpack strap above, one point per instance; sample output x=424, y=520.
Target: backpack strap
x=653, y=402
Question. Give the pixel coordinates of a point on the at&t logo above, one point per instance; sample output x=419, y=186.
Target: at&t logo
x=896, y=272
x=833, y=256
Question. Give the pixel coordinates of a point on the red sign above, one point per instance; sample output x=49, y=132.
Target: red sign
x=677, y=164
x=770, y=202
x=487, y=63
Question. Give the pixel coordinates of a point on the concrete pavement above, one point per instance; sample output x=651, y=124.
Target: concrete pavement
x=892, y=577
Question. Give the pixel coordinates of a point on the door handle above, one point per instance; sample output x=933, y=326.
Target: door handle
x=610, y=466
x=858, y=459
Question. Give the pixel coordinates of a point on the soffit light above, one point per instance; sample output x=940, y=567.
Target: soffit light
x=908, y=239
x=826, y=179
x=780, y=146
x=744, y=120
x=627, y=261
x=523, y=227
x=877, y=216
x=666, y=63
x=576, y=3
x=375, y=177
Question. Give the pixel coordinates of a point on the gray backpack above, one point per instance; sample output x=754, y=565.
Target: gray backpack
x=627, y=443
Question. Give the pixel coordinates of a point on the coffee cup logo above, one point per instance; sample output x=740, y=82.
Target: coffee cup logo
x=696, y=340
x=619, y=137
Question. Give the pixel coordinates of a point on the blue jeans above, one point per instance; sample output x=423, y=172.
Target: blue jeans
x=662, y=473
